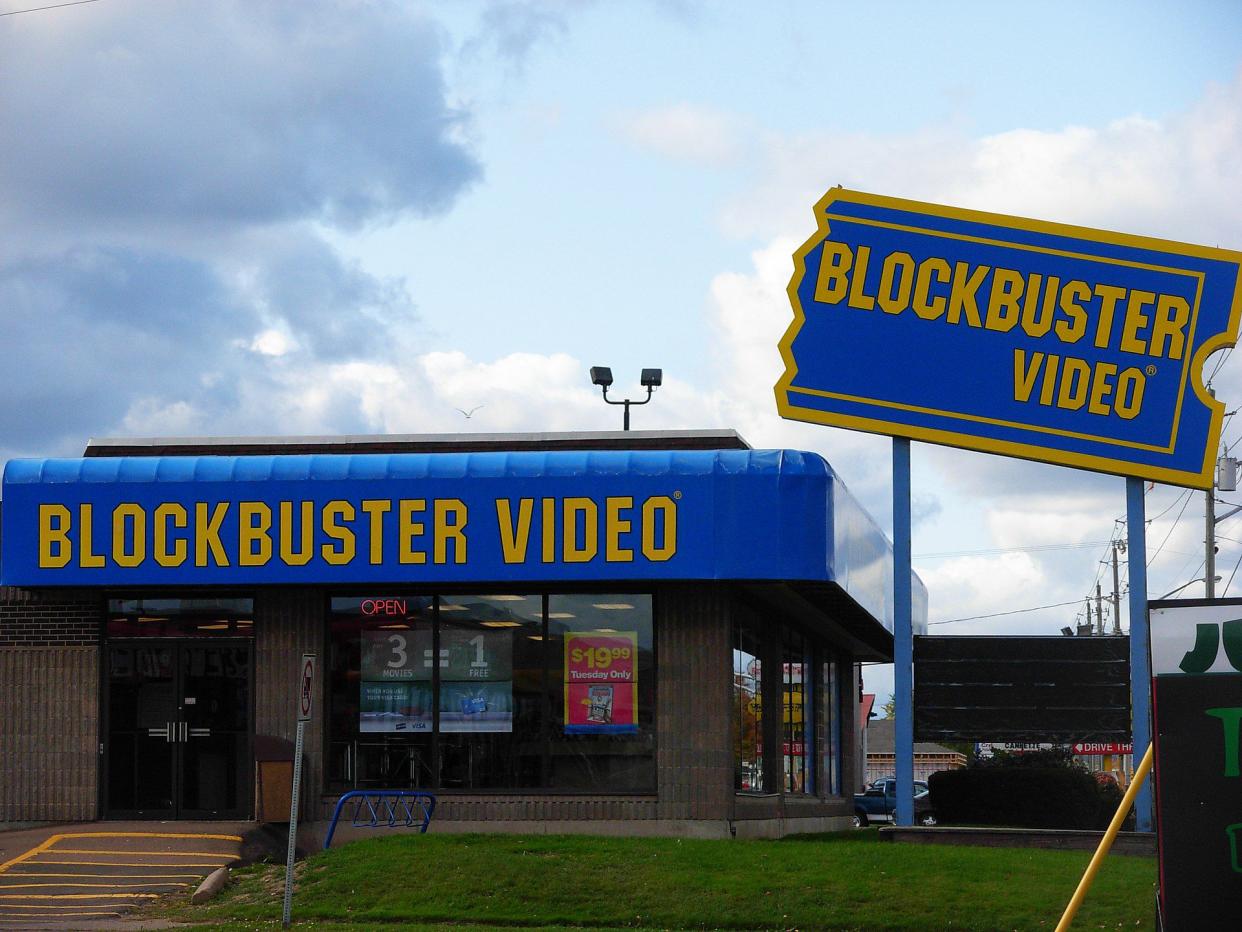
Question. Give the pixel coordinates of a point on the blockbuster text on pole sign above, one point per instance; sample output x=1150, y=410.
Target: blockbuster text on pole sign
x=1038, y=340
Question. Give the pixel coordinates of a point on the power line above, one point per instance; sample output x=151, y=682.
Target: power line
x=54, y=6
x=1171, y=529
x=1016, y=611
x=1034, y=548
x=1220, y=362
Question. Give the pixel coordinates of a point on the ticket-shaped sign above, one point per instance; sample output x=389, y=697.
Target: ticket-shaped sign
x=1038, y=340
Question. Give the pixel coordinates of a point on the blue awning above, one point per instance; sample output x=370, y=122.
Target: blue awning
x=416, y=518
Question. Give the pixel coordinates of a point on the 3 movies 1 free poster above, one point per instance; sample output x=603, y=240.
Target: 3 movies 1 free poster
x=476, y=681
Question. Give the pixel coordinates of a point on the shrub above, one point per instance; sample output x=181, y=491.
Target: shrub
x=1020, y=796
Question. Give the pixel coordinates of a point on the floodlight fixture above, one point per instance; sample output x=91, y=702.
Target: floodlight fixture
x=651, y=379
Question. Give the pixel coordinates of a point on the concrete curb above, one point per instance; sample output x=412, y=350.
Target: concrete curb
x=212, y=884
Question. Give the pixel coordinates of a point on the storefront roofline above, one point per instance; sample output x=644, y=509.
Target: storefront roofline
x=418, y=443
x=436, y=518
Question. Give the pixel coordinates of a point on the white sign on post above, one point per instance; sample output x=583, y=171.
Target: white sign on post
x=306, y=688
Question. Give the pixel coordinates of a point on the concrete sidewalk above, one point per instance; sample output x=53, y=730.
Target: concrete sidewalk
x=90, y=875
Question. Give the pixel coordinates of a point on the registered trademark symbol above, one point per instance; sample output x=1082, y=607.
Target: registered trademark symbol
x=677, y=494
x=1151, y=370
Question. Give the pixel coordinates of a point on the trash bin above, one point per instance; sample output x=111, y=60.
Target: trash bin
x=273, y=778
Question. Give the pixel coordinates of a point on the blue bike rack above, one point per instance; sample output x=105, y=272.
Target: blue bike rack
x=384, y=809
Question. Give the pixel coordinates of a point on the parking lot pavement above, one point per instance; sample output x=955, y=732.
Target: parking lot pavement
x=79, y=880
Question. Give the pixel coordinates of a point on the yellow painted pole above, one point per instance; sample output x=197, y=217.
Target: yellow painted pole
x=1105, y=843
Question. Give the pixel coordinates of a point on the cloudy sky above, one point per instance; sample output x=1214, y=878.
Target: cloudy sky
x=275, y=217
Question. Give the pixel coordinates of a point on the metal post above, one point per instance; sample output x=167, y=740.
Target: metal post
x=293, y=825
x=1116, y=594
x=1099, y=611
x=1209, y=537
x=626, y=421
x=1140, y=656
x=903, y=634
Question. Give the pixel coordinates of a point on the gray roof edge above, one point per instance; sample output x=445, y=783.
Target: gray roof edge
x=726, y=438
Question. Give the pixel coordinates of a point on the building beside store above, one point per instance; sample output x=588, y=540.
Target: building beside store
x=929, y=756
x=639, y=632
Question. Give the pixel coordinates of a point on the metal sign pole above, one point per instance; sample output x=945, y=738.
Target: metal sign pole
x=903, y=634
x=1140, y=657
x=293, y=825
x=305, y=705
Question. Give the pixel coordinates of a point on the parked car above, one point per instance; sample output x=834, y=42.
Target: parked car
x=878, y=803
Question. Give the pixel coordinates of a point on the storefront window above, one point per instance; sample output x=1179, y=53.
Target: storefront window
x=602, y=681
x=796, y=720
x=831, y=691
x=483, y=692
x=380, y=709
x=491, y=691
x=747, y=711
x=180, y=618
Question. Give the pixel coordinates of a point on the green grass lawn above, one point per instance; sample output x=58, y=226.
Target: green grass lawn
x=848, y=881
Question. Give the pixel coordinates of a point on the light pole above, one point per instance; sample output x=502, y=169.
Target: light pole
x=1202, y=579
x=651, y=380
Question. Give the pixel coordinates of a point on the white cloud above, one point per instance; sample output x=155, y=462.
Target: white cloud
x=686, y=133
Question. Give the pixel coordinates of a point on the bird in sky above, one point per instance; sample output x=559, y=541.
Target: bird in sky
x=470, y=413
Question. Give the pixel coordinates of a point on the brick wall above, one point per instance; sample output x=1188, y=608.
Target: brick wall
x=47, y=618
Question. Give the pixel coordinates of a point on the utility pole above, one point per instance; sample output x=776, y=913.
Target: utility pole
x=1099, y=611
x=1089, y=622
x=1116, y=591
x=1209, y=558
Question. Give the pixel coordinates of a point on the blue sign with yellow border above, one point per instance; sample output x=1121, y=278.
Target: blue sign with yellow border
x=1031, y=339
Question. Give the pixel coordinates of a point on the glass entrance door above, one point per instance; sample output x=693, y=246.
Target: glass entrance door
x=178, y=735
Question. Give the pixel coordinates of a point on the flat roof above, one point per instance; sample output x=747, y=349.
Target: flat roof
x=418, y=443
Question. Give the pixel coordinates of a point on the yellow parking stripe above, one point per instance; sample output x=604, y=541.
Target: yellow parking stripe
x=105, y=886
x=129, y=864
x=55, y=839
x=78, y=896
x=57, y=906
x=29, y=917
x=153, y=854
x=120, y=876
x=30, y=854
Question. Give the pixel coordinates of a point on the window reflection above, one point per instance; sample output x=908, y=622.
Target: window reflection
x=747, y=711
x=485, y=691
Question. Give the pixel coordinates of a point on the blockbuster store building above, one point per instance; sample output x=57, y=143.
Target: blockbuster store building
x=630, y=632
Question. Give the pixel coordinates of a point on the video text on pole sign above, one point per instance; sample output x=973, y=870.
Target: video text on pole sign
x=994, y=333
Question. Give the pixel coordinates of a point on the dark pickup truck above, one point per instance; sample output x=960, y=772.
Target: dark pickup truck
x=879, y=803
